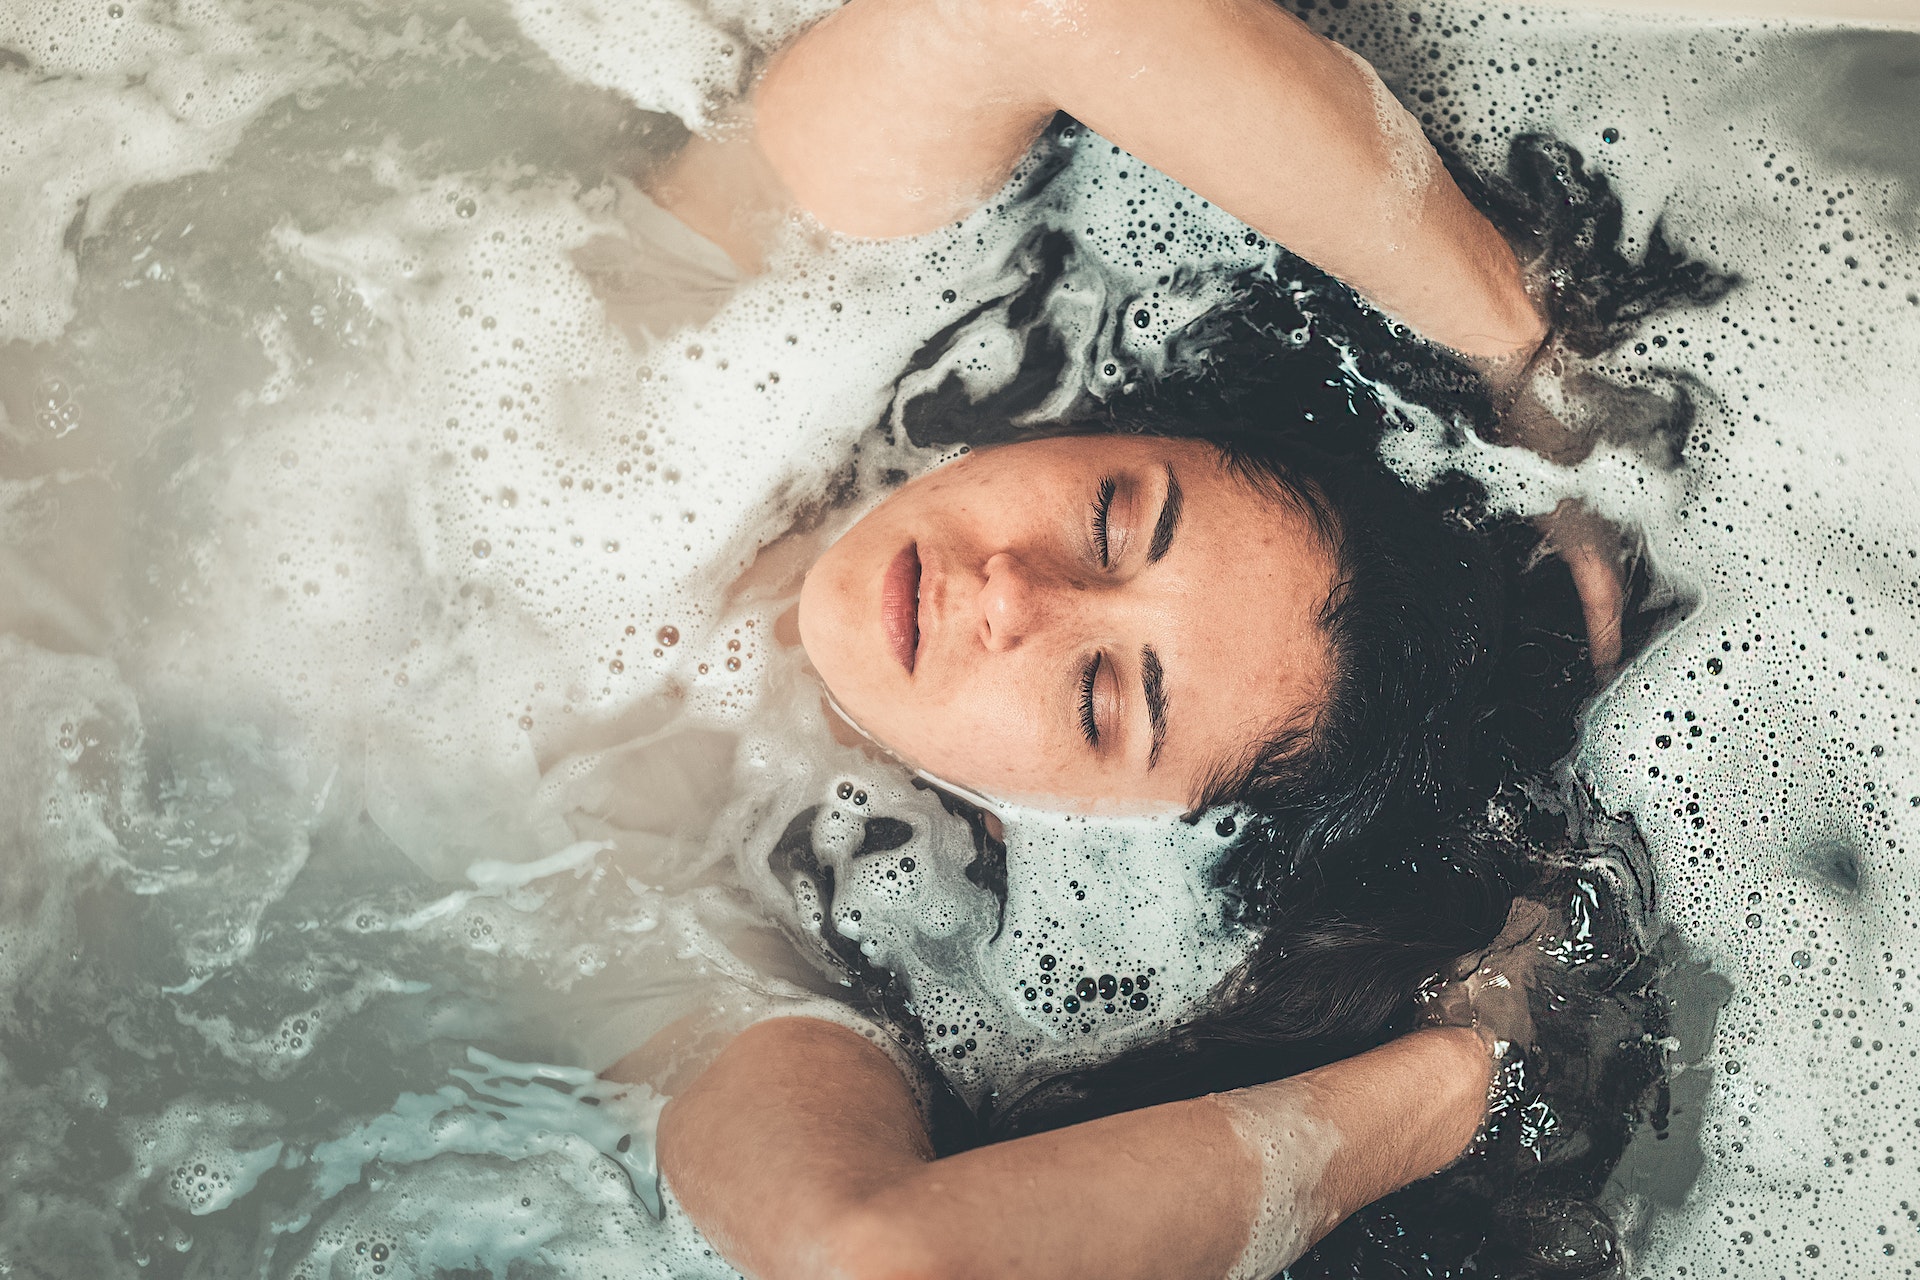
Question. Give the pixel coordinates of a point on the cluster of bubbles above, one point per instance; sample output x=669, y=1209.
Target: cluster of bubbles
x=372, y=688
x=1765, y=746
x=1060, y=944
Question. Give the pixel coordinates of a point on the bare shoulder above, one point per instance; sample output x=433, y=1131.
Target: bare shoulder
x=800, y=1055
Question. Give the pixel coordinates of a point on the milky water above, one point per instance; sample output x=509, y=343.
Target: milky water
x=386, y=750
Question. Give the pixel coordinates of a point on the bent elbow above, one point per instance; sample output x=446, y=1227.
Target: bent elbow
x=872, y=1243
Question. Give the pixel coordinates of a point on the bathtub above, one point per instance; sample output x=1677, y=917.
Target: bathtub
x=340, y=535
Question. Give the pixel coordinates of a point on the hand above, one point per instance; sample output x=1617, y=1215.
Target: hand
x=1588, y=545
x=1487, y=991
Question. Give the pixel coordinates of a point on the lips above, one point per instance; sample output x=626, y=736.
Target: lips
x=900, y=606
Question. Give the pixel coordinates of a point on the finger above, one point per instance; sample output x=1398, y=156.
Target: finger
x=1524, y=920
x=1589, y=547
x=1602, y=600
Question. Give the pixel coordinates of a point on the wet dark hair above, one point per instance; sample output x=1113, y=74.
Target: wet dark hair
x=1390, y=834
x=1347, y=856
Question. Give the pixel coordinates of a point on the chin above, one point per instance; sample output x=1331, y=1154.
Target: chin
x=808, y=615
x=831, y=652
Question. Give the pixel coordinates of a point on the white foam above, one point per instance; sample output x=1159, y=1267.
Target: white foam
x=284, y=452
x=203, y=1152
x=685, y=59
x=1764, y=745
x=1411, y=159
x=1294, y=1148
x=116, y=96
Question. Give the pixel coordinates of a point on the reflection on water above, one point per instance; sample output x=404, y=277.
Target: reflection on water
x=370, y=707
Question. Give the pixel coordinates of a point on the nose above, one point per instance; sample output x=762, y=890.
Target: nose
x=1015, y=603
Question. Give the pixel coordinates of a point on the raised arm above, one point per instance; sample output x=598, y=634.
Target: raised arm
x=891, y=117
x=800, y=1155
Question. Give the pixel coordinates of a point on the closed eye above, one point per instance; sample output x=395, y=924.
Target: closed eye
x=1089, y=722
x=1102, y=512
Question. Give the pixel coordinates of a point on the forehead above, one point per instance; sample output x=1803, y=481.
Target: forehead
x=1243, y=647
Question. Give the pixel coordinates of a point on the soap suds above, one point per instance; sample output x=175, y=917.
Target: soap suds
x=1295, y=1148
x=350, y=546
x=1413, y=164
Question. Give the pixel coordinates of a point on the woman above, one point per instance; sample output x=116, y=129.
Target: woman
x=1037, y=622
x=892, y=118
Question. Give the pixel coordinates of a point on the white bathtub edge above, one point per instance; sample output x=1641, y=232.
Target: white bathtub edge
x=1897, y=15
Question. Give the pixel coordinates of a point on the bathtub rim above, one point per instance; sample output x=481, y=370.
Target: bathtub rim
x=1891, y=15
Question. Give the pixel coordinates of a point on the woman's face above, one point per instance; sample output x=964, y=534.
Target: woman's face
x=1095, y=620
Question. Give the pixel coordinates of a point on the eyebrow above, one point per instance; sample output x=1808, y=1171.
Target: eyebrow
x=1169, y=522
x=1153, y=685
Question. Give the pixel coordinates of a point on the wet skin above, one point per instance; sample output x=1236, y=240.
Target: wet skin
x=1100, y=621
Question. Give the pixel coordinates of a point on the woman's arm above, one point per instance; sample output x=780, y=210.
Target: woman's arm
x=800, y=1154
x=891, y=117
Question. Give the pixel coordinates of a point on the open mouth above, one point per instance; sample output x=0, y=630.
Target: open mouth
x=900, y=606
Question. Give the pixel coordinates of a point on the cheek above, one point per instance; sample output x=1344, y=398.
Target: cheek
x=990, y=503
x=822, y=613
x=828, y=620
x=990, y=734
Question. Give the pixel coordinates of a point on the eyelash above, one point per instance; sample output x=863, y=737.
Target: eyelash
x=1089, y=726
x=1102, y=505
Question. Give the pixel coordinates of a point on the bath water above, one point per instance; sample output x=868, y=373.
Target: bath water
x=392, y=739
